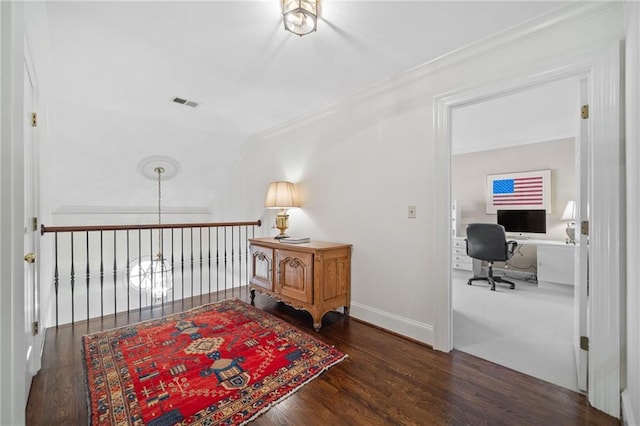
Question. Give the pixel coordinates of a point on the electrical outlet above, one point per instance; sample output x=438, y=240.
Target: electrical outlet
x=412, y=212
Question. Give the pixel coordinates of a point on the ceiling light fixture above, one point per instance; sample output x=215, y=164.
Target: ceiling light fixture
x=300, y=16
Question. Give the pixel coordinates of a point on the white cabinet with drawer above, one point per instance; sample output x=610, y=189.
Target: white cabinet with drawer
x=459, y=258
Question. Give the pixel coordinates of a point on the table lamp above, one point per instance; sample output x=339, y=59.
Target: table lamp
x=569, y=216
x=282, y=195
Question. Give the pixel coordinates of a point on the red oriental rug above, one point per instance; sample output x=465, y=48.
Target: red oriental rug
x=223, y=363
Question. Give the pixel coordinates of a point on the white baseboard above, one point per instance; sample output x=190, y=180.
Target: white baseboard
x=404, y=326
x=628, y=418
x=562, y=288
x=524, y=275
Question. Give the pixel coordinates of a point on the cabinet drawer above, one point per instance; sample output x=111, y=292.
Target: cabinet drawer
x=460, y=251
x=456, y=258
x=459, y=242
x=462, y=265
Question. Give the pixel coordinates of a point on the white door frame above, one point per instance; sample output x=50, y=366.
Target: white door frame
x=12, y=361
x=601, y=67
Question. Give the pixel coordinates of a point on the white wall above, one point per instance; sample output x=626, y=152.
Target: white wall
x=468, y=181
x=631, y=395
x=469, y=172
x=101, y=175
x=363, y=161
x=355, y=192
x=517, y=119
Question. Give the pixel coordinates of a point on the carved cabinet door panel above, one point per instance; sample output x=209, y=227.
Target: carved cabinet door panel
x=262, y=267
x=294, y=276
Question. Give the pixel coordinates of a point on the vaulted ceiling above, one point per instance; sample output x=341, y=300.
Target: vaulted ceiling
x=108, y=72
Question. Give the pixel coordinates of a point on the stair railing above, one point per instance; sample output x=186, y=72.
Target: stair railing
x=123, y=268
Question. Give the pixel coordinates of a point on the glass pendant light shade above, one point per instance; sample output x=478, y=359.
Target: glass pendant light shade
x=300, y=16
x=151, y=275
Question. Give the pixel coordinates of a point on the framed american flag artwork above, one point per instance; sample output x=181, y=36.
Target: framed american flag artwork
x=519, y=191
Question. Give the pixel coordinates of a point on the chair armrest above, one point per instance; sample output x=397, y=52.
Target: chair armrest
x=511, y=248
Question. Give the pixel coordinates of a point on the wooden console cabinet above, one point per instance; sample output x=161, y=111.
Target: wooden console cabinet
x=314, y=276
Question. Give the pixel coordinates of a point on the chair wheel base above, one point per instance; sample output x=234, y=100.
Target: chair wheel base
x=493, y=281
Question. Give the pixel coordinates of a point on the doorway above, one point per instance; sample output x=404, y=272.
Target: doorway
x=605, y=228
x=529, y=329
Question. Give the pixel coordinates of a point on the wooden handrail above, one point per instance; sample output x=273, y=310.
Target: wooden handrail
x=44, y=229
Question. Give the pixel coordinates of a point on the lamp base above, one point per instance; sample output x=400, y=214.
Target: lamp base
x=571, y=234
x=282, y=223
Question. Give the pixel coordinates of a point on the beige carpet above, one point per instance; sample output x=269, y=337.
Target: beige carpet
x=527, y=329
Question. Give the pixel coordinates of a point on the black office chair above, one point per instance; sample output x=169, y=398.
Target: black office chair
x=488, y=242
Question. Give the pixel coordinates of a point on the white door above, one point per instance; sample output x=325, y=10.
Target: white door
x=31, y=237
x=581, y=284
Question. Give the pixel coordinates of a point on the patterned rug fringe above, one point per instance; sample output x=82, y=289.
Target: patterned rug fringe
x=268, y=407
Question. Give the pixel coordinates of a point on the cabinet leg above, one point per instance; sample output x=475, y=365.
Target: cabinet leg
x=346, y=311
x=317, y=320
x=253, y=295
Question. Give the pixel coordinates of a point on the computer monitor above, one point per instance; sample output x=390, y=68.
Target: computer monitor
x=523, y=221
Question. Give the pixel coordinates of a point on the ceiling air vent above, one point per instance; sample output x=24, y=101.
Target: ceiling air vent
x=186, y=102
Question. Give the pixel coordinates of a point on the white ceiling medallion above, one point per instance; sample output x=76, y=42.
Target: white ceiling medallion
x=147, y=167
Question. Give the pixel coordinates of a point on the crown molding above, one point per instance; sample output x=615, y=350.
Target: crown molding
x=79, y=209
x=550, y=21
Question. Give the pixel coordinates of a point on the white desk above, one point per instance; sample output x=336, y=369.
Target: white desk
x=524, y=241
x=555, y=261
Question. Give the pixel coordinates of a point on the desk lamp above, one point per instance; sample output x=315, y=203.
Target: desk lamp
x=282, y=195
x=569, y=216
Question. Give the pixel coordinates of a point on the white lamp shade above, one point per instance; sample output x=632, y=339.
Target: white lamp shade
x=282, y=195
x=569, y=214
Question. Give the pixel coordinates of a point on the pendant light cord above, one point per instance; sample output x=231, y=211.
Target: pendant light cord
x=159, y=170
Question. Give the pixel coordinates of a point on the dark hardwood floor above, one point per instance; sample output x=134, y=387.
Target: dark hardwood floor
x=387, y=380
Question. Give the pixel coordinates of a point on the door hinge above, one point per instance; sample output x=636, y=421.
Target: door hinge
x=34, y=224
x=585, y=111
x=584, y=343
x=35, y=328
x=34, y=119
x=584, y=227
